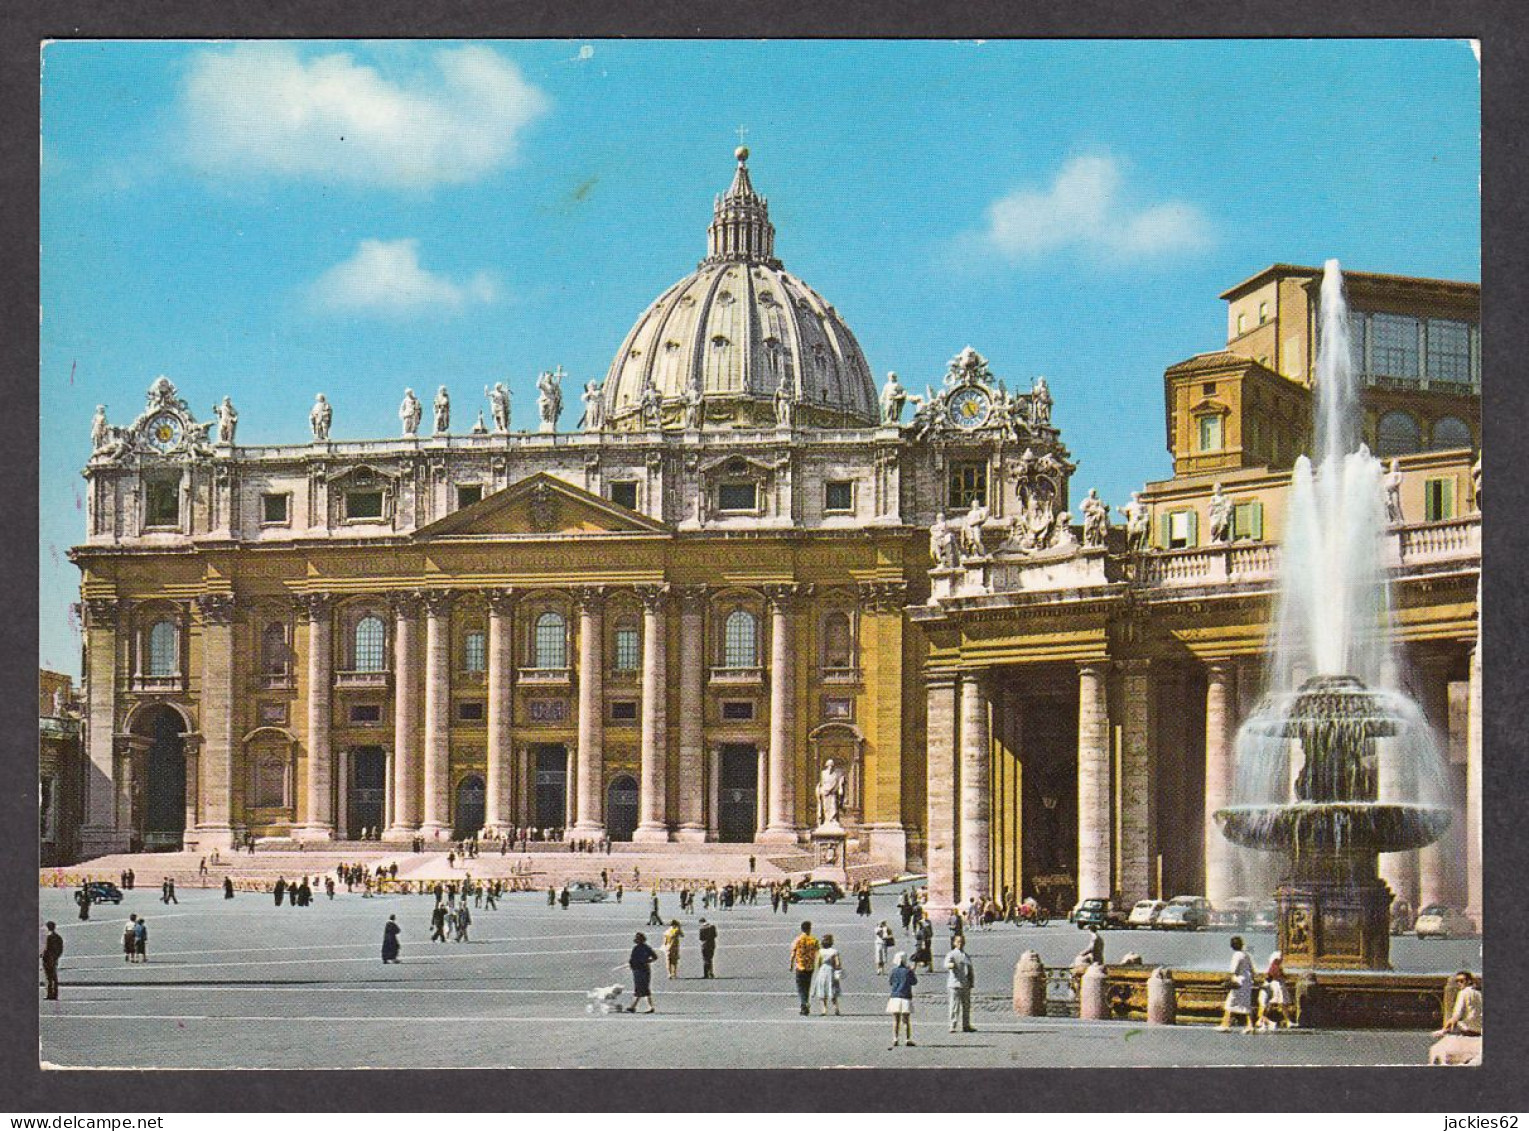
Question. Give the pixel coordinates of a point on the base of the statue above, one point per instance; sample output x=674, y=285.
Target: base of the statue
x=829, y=854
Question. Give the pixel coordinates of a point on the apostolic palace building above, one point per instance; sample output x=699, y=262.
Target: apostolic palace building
x=747, y=558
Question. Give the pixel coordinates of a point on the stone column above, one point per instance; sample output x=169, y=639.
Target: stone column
x=437, y=775
x=1473, y=790
x=405, y=715
x=653, y=823
x=527, y=792
x=1398, y=869
x=342, y=791
x=591, y=754
x=1434, y=865
x=320, y=823
x=1220, y=730
x=497, y=804
x=1136, y=793
x=713, y=792
x=692, y=826
x=782, y=828
x=976, y=799
x=1094, y=824
x=940, y=788
x=214, y=827
x=102, y=832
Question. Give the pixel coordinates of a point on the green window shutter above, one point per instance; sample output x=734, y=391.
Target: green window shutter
x=1165, y=522
x=1256, y=521
x=1446, y=499
x=1194, y=528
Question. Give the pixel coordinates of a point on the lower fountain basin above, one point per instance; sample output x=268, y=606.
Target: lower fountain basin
x=1333, y=826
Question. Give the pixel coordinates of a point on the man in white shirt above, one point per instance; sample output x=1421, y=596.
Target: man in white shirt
x=960, y=977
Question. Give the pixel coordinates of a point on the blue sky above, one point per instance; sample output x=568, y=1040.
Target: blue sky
x=274, y=220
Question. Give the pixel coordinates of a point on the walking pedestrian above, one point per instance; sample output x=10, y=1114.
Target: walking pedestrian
x=900, y=1003
x=826, y=978
x=863, y=900
x=464, y=921
x=52, y=951
x=280, y=889
x=885, y=940
x=563, y=898
x=82, y=897
x=708, y=937
x=653, y=917
x=672, y=939
x=228, y=887
x=804, y=961
x=1239, y=999
x=390, y=946
x=130, y=938
x=438, y=923
x=641, y=961
x=960, y=978
x=141, y=940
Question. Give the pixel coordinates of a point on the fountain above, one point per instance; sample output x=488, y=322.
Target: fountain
x=1336, y=766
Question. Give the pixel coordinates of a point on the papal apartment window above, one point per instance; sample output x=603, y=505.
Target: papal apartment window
x=468, y=494
x=740, y=640
x=551, y=643
x=624, y=493
x=365, y=713
x=162, y=502
x=1210, y=433
x=1397, y=434
x=1438, y=500
x=474, y=653
x=738, y=496
x=628, y=649
x=839, y=495
x=968, y=485
x=275, y=510
x=1449, y=352
x=1248, y=522
x=363, y=504
x=470, y=711
x=1179, y=530
x=1450, y=432
x=164, y=649
x=738, y=710
x=370, y=634
x=1394, y=346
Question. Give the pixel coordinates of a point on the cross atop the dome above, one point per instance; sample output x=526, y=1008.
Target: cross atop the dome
x=742, y=131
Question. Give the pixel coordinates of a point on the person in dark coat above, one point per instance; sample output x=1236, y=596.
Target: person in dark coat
x=708, y=937
x=641, y=961
x=82, y=897
x=228, y=887
x=141, y=940
x=281, y=889
x=438, y=923
x=52, y=951
x=390, y=933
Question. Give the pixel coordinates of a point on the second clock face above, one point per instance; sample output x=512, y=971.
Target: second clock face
x=969, y=408
x=164, y=431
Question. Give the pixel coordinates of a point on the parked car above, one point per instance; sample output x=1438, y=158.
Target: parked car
x=1234, y=914
x=1099, y=913
x=103, y=891
x=1438, y=921
x=585, y=892
x=809, y=891
x=1185, y=913
x=1145, y=913
x=1264, y=917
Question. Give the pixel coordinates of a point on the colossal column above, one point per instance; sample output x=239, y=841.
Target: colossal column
x=1136, y=792
x=782, y=828
x=1433, y=696
x=214, y=829
x=590, y=773
x=1473, y=789
x=652, y=816
x=437, y=776
x=940, y=789
x=102, y=831
x=1220, y=723
x=497, y=805
x=1093, y=780
x=976, y=802
x=320, y=823
x=405, y=817
x=692, y=675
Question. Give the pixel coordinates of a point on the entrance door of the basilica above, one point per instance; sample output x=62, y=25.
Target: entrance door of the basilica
x=164, y=825
x=621, y=808
x=737, y=793
x=368, y=789
x=551, y=786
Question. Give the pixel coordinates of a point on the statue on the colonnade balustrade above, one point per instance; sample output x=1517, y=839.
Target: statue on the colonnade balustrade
x=1135, y=513
x=593, y=397
x=320, y=417
x=228, y=420
x=442, y=410
x=893, y=397
x=100, y=431
x=409, y=413
x=1220, y=516
x=499, y=406
x=1096, y=520
x=942, y=544
x=549, y=398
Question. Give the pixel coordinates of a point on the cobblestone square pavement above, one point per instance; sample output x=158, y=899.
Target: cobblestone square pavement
x=244, y=984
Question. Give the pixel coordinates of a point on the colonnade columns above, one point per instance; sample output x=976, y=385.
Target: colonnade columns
x=103, y=831
x=692, y=818
x=976, y=801
x=320, y=823
x=1094, y=815
x=1434, y=864
x=1398, y=869
x=215, y=828
x=653, y=791
x=1137, y=809
x=1220, y=733
x=405, y=817
x=496, y=807
x=1473, y=904
x=590, y=770
x=437, y=775
x=782, y=828
x=939, y=790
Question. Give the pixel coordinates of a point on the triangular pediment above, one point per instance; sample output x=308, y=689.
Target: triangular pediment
x=542, y=506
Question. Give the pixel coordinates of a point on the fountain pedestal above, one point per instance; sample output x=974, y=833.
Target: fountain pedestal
x=1335, y=924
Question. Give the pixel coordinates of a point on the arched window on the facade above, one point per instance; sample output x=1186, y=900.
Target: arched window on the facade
x=740, y=640
x=1450, y=432
x=164, y=649
x=474, y=651
x=273, y=650
x=838, y=642
x=551, y=642
x=1398, y=434
x=370, y=639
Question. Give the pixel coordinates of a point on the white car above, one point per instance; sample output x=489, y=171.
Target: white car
x=1438, y=921
x=1145, y=913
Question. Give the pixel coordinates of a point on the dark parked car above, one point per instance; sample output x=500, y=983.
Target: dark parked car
x=811, y=890
x=103, y=891
x=1098, y=913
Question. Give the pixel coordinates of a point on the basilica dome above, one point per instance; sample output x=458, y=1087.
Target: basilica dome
x=738, y=331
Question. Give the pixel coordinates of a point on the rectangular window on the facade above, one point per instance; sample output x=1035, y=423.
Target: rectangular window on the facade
x=363, y=504
x=1248, y=522
x=470, y=711
x=474, y=653
x=273, y=714
x=1449, y=352
x=836, y=707
x=1179, y=530
x=839, y=495
x=1263, y=313
x=1210, y=433
x=275, y=510
x=624, y=493
x=1394, y=346
x=624, y=711
x=162, y=502
x=968, y=485
x=628, y=650
x=364, y=713
x=737, y=497
x=468, y=494
x=738, y=710
x=1438, y=500
x=270, y=784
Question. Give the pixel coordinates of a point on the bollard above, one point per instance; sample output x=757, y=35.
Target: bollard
x=1029, y=985
x=1093, y=994
x=1162, y=1006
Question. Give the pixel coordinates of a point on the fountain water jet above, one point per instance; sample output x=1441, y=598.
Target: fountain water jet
x=1336, y=765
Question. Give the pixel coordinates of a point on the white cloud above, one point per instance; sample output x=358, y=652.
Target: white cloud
x=263, y=109
x=385, y=277
x=1085, y=207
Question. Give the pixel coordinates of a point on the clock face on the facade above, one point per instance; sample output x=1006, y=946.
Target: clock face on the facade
x=164, y=431
x=969, y=408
